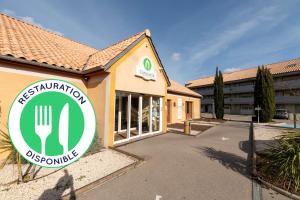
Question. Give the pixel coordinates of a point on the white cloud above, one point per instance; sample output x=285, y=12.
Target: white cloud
x=223, y=41
x=29, y=20
x=9, y=12
x=176, y=57
x=217, y=43
x=232, y=69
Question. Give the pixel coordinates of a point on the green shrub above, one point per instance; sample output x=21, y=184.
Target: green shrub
x=283, y=161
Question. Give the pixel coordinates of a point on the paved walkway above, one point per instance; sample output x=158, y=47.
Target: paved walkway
x=240, y=118
x=211, y=166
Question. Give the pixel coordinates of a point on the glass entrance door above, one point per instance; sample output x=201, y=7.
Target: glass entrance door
x=155, y=114
x=121, y=109
x=146, y=115
x=136, y=115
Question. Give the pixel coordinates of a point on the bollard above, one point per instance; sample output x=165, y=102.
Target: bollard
x=187, y=127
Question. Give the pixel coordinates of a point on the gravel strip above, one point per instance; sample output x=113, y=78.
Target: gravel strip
x=60, y=182
x=265, y=135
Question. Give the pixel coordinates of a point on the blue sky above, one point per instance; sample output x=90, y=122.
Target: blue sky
x=191, y=37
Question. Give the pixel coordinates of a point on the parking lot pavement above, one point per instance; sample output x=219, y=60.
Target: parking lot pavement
x=241, y=118
x=213, y=165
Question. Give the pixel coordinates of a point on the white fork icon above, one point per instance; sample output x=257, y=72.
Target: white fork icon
x=43, y=124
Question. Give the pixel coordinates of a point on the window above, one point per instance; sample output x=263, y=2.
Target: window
x=246, y=107
x=227, y=107
x=179, y=108
x=136, y=115
x=155, y=113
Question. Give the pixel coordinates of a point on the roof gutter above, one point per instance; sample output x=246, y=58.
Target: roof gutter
x=185, y=94
x=37, y=64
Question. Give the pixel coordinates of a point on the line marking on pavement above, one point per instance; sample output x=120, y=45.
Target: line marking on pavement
x=256, y=191
x=158, y=197
x=225, y=138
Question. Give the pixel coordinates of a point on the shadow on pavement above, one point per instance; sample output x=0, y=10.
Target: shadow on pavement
x=228, y=160
x=64, y=183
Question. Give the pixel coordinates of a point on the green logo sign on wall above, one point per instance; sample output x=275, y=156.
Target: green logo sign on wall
x=51, y=123
x=147, y=64
x=145, y=69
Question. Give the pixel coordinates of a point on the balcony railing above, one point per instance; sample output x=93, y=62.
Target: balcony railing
x=239, y=89
x=278, y=85
x=287, y=99
x=205, y=92
x=250, y=100
x=239, y=100
x=207, y=101
x=286, y=85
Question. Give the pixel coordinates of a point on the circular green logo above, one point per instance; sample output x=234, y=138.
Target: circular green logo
x=52, y=123
x=147, y=64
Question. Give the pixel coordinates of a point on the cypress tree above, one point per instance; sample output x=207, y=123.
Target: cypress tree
x=264, y=95
x=219, y=94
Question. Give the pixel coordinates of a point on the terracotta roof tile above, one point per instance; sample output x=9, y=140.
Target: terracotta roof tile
x=178, y=88
x=275, y=68
x=103, y=56
x=22, y=40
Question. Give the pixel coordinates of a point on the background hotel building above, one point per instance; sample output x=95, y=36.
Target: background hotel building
x=126, y=82
x=239, y=88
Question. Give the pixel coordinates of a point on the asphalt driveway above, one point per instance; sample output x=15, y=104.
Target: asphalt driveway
x=213, y=165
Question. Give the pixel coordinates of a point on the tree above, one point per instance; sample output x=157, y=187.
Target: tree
x=264, y=95
x=219, y=94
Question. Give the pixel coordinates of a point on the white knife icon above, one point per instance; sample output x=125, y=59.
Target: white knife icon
x=63, y=130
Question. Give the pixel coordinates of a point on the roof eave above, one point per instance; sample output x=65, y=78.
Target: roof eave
x=120, y=55
x=127, y=49
x=184, y=93
x=38, y=64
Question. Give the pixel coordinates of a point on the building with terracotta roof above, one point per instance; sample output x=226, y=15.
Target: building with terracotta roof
x=182, y=103
x=125, y=82
x=239, y=88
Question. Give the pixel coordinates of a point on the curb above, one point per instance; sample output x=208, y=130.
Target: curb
x=138, y=139
x=108, y=177
x=267, y=184
x=138, y=158
x=253, y=152
x=279, y=190
x=256, y=189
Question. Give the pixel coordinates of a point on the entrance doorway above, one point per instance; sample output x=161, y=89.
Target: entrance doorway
x=136, y=115
x=169, y=106
x=189, y=110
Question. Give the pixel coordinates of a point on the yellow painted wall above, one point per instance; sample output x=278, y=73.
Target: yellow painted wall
x=99, y=87
x=174, y=107
x=126, y=80
x=13, y=79
x=123, y=78
x=96, y=88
